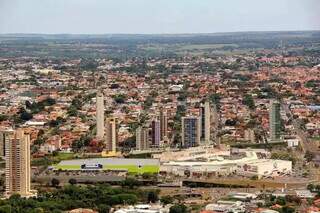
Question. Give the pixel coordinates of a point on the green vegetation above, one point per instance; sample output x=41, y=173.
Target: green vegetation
x=167, y=200
x=286, y=203
x=283, y=155
x=3, y=117
x=259, y=145
x=309, y=156
x=82, y=142
x=205, y=46
x=54, y=158
x=88, y=64
x=133, y=169
x=120, y=98
x=215, y=99
x=314, y=188
x=248, y=100
x=148, y=102
x=178, y=208
x=312, y=84
x=123, y=47
x=72, y=196
x=36, y=107
x=27, y=113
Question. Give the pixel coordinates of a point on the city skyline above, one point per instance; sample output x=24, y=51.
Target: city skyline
x=171, y=106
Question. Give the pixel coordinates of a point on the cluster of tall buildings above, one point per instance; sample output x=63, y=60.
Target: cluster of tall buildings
x=154, y=134
x=15, y=149
x=196, y=130
x=107, y=129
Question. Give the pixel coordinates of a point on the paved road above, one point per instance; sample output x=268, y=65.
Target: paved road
x=277, y=183
x=306, y=144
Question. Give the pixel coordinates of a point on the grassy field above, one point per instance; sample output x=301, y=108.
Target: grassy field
x=130, y=168
x=49, y=160
x=64, y=156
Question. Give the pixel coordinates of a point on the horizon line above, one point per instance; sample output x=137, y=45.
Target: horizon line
x=189, y=33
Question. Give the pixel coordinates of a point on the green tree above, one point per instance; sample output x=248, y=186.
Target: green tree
x=310, y=187
x=130, y=183
x=55, y=182
x=248, y=100
x=5, y=209
x=309, y=156
x=152, y=197
x=287, y=209
x=24, y=115
x=3, y=117
x=178, y=208
x=281, y=201
x=103, y=208
x=73, y=181
x=120, y=98
x=166, y=200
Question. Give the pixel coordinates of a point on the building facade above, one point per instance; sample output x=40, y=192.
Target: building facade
x=142, y=138
x=111, y=134
x=191, y=131
x=275, y=121
x=163, y=125
x=205, y=122
x=4, y=135
x=100, y=115
x=18, y=169
x=155, y=133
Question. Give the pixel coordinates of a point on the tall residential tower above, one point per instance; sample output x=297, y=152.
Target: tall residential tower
x=191, y=131
x=18, y=169
x=112, y=134
x=163, y=125
x=205, y=122
x=142, y=138
x=100, y=115
x=155, y=133
x=275, y=121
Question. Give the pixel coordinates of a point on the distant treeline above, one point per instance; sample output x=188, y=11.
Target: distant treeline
x=129, y=46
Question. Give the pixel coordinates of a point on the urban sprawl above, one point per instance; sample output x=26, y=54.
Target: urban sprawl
x=237, y=131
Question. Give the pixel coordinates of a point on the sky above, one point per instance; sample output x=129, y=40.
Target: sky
x=157, y=16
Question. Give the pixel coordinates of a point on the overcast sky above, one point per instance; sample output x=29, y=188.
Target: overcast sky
x=157, y=16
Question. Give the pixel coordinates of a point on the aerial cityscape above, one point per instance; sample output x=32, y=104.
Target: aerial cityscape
x=159, y=122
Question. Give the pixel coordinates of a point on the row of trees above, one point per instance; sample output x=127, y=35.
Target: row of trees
x=99, y=197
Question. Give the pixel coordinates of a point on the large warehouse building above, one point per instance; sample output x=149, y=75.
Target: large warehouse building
x=248, y=165
x=138, y=166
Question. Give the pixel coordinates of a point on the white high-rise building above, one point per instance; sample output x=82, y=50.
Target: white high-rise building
x=18, y=169
x=100, y=115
